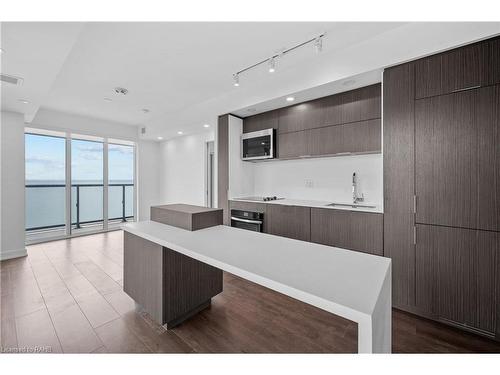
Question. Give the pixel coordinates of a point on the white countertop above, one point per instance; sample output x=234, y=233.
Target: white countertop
x=344, y=282
x=318, y=204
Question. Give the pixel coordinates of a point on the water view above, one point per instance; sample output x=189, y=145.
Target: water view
x=46, y=181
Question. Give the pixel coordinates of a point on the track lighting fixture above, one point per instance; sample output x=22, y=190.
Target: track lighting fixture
x=272, y=65
x=271, y=61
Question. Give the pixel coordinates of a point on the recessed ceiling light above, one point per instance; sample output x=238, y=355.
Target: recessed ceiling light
x=108, y=99
x=290, y=99
x=236, y=80
x=180, y=133
x=145, y=110
x=160, y=138
x=206, y=126
x=23, y=101
x=2, y=50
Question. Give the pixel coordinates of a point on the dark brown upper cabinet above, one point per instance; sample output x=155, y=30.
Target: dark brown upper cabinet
x=457, y=159
x=460, y=69
x=289, y=221
x=361, y=104
x=302, y=116
x=360, y=231
x=355, y=137
x=348, y=122
x=262, y=121
x=456, y=272
x=293, y=145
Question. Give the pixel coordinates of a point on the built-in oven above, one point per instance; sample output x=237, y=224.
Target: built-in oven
x=247, y=220
x=258, y=145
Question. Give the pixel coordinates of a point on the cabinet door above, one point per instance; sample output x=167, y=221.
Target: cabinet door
x=456, y=273
x=459, y=69
x=360, y=231
x=364, y=136
x=262, y=121
x=457, y=159
x=399, y=89
x=361, y=104
x=289, y=221
x=293, y=145
x=302, y=116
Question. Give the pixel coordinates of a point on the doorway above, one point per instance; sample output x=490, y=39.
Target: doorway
x=209, y=173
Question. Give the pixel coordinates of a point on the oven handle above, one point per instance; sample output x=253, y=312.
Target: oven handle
x=246, y=220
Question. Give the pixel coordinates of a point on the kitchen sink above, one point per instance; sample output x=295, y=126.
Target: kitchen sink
x=350, y=205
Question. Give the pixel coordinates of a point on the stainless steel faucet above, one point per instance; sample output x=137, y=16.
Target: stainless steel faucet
x=355, y=197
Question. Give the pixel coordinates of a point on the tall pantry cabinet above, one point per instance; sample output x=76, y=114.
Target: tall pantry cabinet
x=442, y=186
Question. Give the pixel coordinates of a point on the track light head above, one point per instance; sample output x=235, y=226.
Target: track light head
x=318, y=44
x=272, y=65
x=236, y=80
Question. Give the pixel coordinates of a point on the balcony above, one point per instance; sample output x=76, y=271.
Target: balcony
x=45, y=208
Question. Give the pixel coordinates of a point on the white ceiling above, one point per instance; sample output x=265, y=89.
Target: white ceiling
x=182, y=72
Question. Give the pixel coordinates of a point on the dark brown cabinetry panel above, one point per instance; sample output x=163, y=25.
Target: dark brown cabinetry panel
x=289, y=221
x=361, y=104
x=458, y=159
x=459, y=69
x=266, y=120
x=456, y=272
x=399, y=182
x=302, y=116
x=223, y=165
x=248, y=206
x=293, y=145
x=360, y=231
x=356, y=137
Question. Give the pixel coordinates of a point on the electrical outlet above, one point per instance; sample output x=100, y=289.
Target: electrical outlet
x=309, y=183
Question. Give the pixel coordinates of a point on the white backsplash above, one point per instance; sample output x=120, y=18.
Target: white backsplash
x=326, y=179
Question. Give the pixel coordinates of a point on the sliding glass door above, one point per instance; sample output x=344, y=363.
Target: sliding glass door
x=87, y=185
x=45, y=186
x=120, y=183
x=77, y=184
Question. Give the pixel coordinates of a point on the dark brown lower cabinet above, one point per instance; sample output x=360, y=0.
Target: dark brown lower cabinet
x=289, y=221
x=360, y=231
x=457, y=276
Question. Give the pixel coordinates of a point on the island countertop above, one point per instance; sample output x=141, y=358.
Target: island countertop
x=347, y=283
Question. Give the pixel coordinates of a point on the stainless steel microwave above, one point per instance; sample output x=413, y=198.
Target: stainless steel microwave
x=258, y=145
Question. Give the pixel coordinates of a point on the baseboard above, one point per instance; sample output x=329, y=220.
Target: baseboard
x=10, y=254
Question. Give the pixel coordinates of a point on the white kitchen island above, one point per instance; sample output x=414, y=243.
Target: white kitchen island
x=350, y=284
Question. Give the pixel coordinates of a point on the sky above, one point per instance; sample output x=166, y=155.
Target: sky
x=45, y=160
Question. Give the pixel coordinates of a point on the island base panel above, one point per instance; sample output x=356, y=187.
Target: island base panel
x=167, y=285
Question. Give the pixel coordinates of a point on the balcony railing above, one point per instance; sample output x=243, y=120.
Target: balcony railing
x=76, y=221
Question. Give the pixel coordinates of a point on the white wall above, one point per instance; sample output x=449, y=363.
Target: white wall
x=148, y=177
x=331, y=178
x=55, y=120
x=12, y=192
x=183, y=169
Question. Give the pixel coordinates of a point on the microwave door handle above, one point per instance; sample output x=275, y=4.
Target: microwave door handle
x=246, y=220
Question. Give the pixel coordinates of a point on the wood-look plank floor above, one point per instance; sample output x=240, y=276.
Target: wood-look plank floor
x=67, y=296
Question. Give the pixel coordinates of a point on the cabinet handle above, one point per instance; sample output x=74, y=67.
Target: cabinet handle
x=414, y=204
x=467, y=88
x=414, y=234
